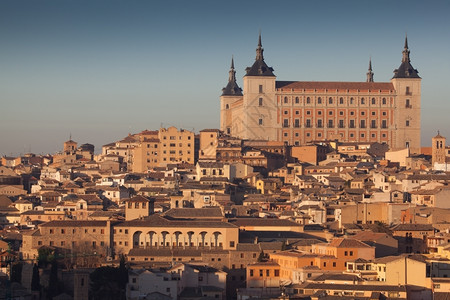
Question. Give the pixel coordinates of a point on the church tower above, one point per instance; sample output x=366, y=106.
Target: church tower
x=259, y=102
x=438, y=149
x=407, y=84
x=230, y=94
x=370, y=73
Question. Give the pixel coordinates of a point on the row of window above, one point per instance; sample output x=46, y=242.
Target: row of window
x=267, y=272
x=73, y=243
x=86, y=230
x=341, y=123
x=320, y=135
x=331, y=101
x=330, y=113
x=174, y=137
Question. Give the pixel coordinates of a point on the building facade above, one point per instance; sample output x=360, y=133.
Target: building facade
x=298, y=112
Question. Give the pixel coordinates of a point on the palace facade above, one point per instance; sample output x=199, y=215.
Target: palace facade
x=298, y=112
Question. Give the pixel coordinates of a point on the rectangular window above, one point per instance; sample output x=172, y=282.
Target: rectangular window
x=363, y=124
x=383, y=123
x=373, y=124
x=297, y=123
x=260, y=88
x=319, y=123
x=286, y=123
x=352, y=124
x=260, y=121
x=251, y=273
x=341, y=123
x=260, y=102
x=407, y=123
x=330, y=124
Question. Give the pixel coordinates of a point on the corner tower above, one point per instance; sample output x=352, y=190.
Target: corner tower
x=437, y=150
x=259, y=101
x=231, y=94
x=407, y=84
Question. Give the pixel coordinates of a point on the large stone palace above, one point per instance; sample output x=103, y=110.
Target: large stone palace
x=298, y=112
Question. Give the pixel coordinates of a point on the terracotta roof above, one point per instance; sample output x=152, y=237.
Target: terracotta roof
x=348, y=243
x=413, y=227
x=71, y=223
x=158, y=221
x=188, y=213
x=335, y=85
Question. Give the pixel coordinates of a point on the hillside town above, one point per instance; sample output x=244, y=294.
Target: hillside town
x=174, y=214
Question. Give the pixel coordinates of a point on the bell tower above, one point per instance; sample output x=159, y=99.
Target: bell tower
x=259, y=102
x=438, y=149
x=407, y=84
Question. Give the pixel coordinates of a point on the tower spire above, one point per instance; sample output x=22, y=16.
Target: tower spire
x=232, y=72
x=259, y=50
x=406, y=70
x=405, y=51
x=232, y=88
x=370, y=73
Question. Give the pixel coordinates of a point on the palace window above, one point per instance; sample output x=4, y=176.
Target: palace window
x=341, y=100
x=330, y=100
x=363, y=101
x=373, y=101
x=297, y=101
x=363, y=124
x=308, y=100
x=384, y=101
x=308, y=123
x=319, y=100
x=285, y=99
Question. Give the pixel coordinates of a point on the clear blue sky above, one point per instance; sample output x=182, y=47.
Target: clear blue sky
x=101, y=69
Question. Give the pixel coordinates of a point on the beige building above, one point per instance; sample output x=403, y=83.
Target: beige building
x=159, y=148
x=298, y=112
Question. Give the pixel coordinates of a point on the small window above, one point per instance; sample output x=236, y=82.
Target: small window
x=330, y=100
x=308, y=100
x=341, y=100
x=319, y=100
x=260, y=102
x=297, y=101
x=373, y=101
x=407, y=123
x=260, y=88
x=363, y=101
x=260, y=121
x=285, y=100
x=383, y=101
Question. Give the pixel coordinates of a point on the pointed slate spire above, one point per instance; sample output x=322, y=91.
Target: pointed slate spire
x=370, y=73
x=259, y=67
x=232, y=88
x=405, y=51
x=406, y=70
x=259, y=50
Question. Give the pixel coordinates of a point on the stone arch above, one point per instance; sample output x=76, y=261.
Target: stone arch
x=137, y=239
x=202, y=237
x=152, y=239
x=217, y=239
x=164, y=235
x=190, y=235
x=176, y=242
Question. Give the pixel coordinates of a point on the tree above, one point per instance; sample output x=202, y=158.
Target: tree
x=35, y=279
x=105, y=284
x=123, y=273
x=261, y=256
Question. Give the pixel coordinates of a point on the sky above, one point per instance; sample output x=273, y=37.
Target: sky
x=97, y=70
